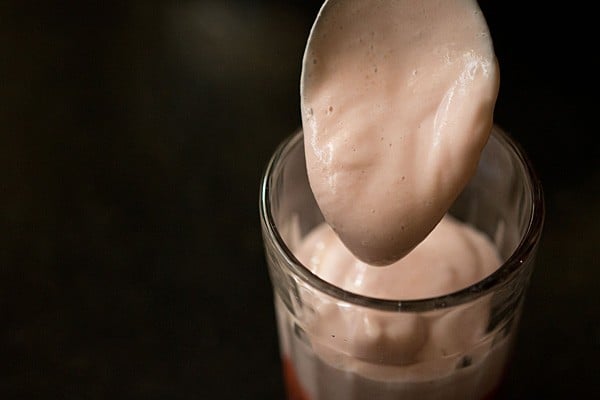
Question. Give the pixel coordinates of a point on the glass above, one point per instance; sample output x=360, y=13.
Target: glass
x=504, y=201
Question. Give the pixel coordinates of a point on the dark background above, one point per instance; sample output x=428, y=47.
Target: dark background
x=132, y=140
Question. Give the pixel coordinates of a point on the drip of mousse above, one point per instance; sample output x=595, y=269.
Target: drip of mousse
x=397, y=100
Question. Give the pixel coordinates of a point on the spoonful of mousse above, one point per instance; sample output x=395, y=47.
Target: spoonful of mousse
x=397, y=101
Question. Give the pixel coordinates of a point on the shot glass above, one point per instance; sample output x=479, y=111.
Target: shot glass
x=321, y=361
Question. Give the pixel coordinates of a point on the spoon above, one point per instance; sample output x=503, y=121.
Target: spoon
x=397, y=100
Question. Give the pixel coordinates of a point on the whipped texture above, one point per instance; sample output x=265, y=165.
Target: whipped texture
x=397, y=100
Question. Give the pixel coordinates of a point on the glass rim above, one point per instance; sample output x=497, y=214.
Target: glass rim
x=503, y=275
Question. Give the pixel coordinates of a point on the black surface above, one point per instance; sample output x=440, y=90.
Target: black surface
x=133, y=136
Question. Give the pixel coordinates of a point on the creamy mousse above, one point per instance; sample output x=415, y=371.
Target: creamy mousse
x=397, y=100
